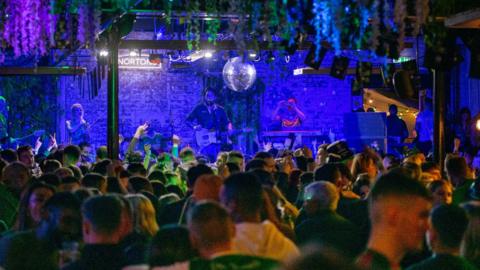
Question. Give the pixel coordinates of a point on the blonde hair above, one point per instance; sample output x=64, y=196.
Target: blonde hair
x=144, y=217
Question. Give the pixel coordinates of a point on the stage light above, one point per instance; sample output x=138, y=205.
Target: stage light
x=103, y=53
x=208, y=54
x=133, y=53
x=252, y=55
x=270, y=57
x=370, y=101
x=477, y=124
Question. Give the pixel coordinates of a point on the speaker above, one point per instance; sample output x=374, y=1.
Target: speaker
x=339, y=67
x=310, y=60
x=475, y=63
x=403, y=85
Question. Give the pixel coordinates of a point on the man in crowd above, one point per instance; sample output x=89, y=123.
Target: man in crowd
x=242, y=195
x=211, y=232
x=102, y=232
x=447, y=226
x=38, y=249
x=325, y=226
x=399, y=209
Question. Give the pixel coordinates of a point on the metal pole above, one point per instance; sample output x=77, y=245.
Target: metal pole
x=112, y=95
x=439, y=98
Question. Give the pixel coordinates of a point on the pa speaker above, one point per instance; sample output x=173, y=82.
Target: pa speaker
x=403, y=85
x=339, y=67
x=310, y=59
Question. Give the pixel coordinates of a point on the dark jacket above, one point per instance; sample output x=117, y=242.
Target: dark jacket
x=329, y=228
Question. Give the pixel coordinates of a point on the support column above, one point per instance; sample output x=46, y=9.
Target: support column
x=112, y=95
x=439, y=103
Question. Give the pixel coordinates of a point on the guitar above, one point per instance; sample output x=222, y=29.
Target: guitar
x=10, y=142
x=205, y=137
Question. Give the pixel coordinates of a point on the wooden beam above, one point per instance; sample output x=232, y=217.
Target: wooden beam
x=467, y=19
x=11, y=71
x=326, y=71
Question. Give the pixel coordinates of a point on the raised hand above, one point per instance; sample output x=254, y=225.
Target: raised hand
x=141, y=130
x=52, y=142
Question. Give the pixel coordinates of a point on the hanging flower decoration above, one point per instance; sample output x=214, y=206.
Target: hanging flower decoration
x=26, y=26
x=31, y=27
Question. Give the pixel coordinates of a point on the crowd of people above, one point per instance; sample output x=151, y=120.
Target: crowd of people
x=276, y=210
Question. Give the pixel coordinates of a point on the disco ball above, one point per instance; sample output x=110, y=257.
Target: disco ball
x=239, y=75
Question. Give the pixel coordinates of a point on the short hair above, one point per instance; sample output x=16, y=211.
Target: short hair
x=457, y=166
x=101, y=167
x=23, y=148
x=209, y=222
x=103, y=213
x=137, y=168
x=323, y=192
x=232, y=167
x=157, y=175
x=102, y=152
x=234, y=154
x=207, y=187
x=196, y=171
x=9, y=155
x=397, y=184
x=50, y=165
x=13, y=172
x=245, y=189
x=186, y=151
x=393, y=107
x=62, y=200
x=262, y=155
x=93, y=180
x=76, y=171
x=139, y=184
x=327, y=172
x=62, y=170
x=171, y=244
x=450, y=223
x=414, y=169
x=255, y=164
x=72, y=151
x=51, y=179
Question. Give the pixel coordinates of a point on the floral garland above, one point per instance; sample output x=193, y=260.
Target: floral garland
x=213, y=25
x=26, y=26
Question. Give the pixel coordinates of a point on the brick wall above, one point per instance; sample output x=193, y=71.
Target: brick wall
x=165, y=97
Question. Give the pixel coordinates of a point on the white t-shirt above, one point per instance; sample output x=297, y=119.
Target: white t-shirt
x=263, y=239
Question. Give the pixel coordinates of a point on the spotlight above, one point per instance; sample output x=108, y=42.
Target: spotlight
x=208, y=54
x=477, y=124
x=103, y=53
x=154, y=58
x=133, y=53
x=270, y=57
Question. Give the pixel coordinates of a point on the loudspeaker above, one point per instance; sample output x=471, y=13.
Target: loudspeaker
x=475, y=63
x=310, y=60
x=363, y=72
x=339, y=67
x=403, y=85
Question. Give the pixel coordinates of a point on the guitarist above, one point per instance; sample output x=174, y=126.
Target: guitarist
x=211, y=117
